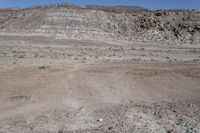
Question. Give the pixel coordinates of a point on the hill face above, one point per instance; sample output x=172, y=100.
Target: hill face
x=103, y=23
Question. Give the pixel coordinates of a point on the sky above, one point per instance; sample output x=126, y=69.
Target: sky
x=150, y=4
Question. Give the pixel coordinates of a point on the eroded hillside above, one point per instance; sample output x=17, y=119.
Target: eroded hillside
x=103, y=23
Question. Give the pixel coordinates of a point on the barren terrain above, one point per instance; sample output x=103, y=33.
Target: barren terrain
x=52, y=85
x=86, y=83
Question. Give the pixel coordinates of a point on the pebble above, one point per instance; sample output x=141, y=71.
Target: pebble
x=100, y=120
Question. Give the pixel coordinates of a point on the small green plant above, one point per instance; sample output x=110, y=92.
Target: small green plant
x=19, y=97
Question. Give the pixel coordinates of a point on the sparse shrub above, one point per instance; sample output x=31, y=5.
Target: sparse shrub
x=158, y=14
x=21, y=56
x=42, y=56
x=36, y=55
x=183, y=19
x=195, y=60
x=84, y=58
x=19, y=97
x=133, y=49
x=42, y=67
x=193, y=51
x=138, y=59
x=14, y=51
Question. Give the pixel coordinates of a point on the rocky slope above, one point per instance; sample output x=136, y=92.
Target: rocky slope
x=103, y=23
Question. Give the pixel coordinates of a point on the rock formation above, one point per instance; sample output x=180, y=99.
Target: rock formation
x=103, y=23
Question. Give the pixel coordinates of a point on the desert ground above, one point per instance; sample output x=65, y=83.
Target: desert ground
x=63, y=85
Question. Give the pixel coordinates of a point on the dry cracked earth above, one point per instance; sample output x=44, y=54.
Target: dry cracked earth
x=49, y=85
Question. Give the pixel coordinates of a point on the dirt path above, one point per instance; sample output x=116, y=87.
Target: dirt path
x=105, y=97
